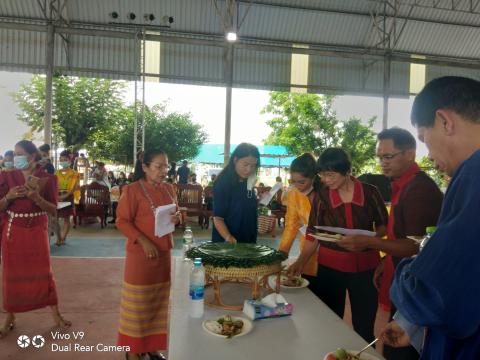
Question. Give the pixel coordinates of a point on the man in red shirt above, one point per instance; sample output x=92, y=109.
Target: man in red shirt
x=415, y=204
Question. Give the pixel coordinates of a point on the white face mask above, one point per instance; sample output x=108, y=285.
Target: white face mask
x=251, y=181
x=21, y=162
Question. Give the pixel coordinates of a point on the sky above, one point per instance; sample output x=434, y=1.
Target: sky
x=207, y=107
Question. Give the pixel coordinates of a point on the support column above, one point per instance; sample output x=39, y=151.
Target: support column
x=47, y=126
x=228, y=76
x=386, y=91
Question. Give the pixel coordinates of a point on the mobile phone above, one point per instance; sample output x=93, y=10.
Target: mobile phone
x=32, y=182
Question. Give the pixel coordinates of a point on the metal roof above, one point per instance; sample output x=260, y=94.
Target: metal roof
x=347, y=40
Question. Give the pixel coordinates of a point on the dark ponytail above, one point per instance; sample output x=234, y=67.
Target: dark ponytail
x=306, y=165
x=146, y=159
x=241, y=151
x=29, y=148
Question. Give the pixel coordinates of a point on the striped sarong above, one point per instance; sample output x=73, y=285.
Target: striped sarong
x=144, y=303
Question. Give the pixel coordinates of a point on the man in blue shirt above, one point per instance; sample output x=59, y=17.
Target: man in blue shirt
x=440, y=288
x=183, y=173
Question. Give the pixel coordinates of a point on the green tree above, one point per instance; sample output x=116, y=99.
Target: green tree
x=359, y=141
x=175, y=133
x=89, y=113
x=308, y=123
x=302, y=122
x=429, y=167
x=81, y=107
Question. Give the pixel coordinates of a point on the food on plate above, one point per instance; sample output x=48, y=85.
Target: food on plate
x=214, y=326
x=330, y=236
x=342, y=354
x=225, y=326
x=292, y=281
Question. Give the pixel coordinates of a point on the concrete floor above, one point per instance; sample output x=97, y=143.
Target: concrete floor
x=89, y=295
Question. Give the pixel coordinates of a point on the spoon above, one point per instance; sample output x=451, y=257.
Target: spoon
x=366, y=347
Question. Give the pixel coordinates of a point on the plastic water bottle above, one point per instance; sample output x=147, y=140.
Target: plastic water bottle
x=197, y=288
x=187, y=241
x=429, y=230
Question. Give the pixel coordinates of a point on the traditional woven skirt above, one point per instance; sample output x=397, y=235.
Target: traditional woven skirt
x=144, y=303
x=27, y=278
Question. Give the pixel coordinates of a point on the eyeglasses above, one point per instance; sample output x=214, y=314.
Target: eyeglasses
x=328, y=175
x=159, y=166
x=388, y=157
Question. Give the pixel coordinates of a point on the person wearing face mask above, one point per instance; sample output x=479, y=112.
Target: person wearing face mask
x=234, y=199
x=100, y=175
x=7, y=165
x=347, y=203
x=45, y=160
x=69, y=191
x=8, y=161
x=303, y=176
x=27, y=195
x=146, y=283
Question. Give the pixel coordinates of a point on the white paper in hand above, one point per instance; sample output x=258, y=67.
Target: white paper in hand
x=346, y=232
x=163, y=222
x=269, y=196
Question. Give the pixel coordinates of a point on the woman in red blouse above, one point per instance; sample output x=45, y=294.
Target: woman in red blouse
x=347, y=203
x=146, y=283
x=27, y=195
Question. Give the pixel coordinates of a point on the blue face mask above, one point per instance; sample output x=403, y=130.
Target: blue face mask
x=64, y=164
x=20, y=162
x=43, y=160
x=8, y=164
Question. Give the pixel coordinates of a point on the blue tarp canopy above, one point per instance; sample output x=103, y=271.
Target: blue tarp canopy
x=271, y=155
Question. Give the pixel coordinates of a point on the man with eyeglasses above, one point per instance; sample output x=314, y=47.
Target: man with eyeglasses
x=440, y=288
x=415, y=204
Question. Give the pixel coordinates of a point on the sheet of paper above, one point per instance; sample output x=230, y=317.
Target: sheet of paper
x=269, y=196
x=347, y=232
x=63, y=204
x=163, y=224
x=323, y=238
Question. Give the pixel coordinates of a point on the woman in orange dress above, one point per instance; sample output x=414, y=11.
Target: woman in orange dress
x=27, y=194
x=146, y=286
x=303, y=175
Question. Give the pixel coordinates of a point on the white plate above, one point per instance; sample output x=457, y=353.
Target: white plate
x=305, y=283
x=247, y=327
x=363, y=356
x=273, y=279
